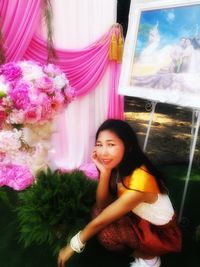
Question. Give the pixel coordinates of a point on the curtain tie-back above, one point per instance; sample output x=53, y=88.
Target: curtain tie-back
x=120, y=48
x=116, y=44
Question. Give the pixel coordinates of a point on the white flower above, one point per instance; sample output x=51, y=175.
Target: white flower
x=10, y=140
x=60, y=81
x=16, y=117
x=31, y=71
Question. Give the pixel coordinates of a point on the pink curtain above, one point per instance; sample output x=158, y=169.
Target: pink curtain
x=116, y=102
x=18, y=19
x=84, y=68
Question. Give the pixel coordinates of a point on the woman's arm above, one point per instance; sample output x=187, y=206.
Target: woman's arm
x=103, y=196
x=111, y=213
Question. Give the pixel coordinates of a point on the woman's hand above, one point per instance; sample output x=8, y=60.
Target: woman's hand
x=64, y=255
x=96, y=160
x=100, y=166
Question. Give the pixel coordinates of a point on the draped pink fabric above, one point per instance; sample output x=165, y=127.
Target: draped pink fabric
x=19, y=20
x=116, y=105
x=84, y=68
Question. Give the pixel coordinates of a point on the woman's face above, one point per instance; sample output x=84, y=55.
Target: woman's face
x=110, y=149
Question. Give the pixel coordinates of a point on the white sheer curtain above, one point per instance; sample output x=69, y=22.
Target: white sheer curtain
x=78, y=23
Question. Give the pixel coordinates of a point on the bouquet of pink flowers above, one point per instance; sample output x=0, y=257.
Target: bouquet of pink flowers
x=32, y=93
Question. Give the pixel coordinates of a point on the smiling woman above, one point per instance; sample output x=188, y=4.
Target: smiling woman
x=130, y=195
x=109, y=149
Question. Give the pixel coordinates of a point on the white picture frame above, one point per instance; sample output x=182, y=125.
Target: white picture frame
x=161, y=61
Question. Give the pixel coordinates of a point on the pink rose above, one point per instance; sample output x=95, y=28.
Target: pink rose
x=32, y=115
x=3, y=115
x=70, y=94
x=45, y=84
x=51, y=70
x=57, y=102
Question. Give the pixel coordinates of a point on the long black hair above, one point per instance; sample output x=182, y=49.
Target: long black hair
x=133, y=157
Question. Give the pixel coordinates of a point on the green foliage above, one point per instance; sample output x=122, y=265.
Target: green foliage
x=7, y=197
x=4, y=197
x=53, y=209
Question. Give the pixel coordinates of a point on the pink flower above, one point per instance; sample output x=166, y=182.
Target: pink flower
x=19, y=95
x=11, y=71
x=16, y=117
x=57, y=101
x=3, y=115
x=90, y=170
x=51, y=70
x=32, y=115
x=70, y=94
x=15, y=176
x=45, y=84
x=46, y=110
x=2, y=156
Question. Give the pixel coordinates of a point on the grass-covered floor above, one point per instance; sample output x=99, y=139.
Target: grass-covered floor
x=13, y=254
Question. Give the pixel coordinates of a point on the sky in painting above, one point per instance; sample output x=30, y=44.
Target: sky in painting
x=173, y=23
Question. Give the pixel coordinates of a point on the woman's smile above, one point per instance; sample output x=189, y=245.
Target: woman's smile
x=106, y=161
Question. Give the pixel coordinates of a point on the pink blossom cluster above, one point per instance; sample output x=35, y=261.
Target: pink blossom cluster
x=15, y=176
x=32, y=93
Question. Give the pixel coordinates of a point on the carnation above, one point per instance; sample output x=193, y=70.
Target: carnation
x=20, y=96
x=16, y=176
x=11, y=71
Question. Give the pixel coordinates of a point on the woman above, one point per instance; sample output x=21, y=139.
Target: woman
x=133, y=213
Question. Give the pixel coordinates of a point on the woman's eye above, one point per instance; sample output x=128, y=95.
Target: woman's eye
x=98, y=145
x=111, y=144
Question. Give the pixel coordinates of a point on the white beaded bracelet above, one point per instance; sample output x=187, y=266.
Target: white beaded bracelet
x=76, y=244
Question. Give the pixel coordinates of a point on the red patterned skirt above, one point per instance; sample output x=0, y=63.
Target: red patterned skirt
x=131, y=233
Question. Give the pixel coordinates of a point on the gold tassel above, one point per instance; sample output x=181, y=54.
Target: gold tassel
x=120, y=48
x=113, y=47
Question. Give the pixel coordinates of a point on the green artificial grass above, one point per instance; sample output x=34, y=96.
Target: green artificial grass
x=14, y=254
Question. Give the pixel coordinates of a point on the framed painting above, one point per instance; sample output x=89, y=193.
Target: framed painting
x=161, y=60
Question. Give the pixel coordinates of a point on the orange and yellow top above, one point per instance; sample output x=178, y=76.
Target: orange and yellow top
x=140, y=180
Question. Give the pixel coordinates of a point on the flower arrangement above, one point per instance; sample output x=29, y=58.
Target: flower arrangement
x=31, y=95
